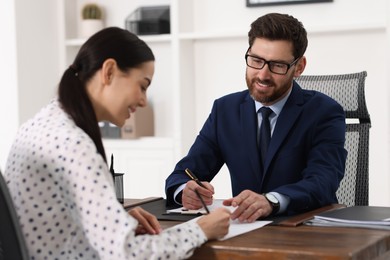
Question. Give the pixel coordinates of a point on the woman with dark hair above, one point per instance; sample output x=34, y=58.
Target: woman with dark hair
x=57, y=171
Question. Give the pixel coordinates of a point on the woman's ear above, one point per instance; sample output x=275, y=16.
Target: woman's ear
x=108, y=69
x=300, y=67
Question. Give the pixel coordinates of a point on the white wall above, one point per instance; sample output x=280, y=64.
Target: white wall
x=8, y=88
x=37, y=54
x=29, y=63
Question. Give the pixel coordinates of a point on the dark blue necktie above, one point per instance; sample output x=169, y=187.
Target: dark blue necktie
x=265, y=132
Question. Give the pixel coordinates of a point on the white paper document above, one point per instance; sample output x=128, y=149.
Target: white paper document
x=217, y=203
x=236, y=228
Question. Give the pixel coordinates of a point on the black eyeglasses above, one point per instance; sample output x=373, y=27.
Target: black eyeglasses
x=275, y=67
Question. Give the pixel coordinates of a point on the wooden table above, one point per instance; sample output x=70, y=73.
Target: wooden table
x=302, y=242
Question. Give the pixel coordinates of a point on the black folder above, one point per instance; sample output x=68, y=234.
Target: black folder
x=159, y=209
x=366, y=214
x=157, y=206
x=355, y=216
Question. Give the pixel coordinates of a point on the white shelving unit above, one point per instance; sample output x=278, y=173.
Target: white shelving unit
x=146, y=162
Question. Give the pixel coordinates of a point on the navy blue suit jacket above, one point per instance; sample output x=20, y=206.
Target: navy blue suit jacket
x=305, y=160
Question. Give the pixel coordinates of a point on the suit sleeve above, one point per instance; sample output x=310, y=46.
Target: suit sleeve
x=204, y=158
x=324, y=159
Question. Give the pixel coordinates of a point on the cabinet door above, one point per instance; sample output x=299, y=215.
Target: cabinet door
x=145, y=167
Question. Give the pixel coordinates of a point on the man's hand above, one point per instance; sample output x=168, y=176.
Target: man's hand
x=250, y=206
x=189, y=198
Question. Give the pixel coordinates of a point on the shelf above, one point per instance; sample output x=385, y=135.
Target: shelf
x=76, y=42
x=232, y=35
x=212, y=35
x=158, y=143
x=173, y=95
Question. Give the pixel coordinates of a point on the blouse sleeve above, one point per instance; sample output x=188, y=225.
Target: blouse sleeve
x=109, y=229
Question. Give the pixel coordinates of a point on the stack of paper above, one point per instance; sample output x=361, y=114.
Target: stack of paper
x=356, y=216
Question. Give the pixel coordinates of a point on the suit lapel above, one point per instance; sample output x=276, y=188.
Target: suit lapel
x=249, y=127
x=286, y=120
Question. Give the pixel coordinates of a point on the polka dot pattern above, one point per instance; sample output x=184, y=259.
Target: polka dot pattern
x=65, y=199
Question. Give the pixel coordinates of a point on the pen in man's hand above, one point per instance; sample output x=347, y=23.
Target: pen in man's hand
x=193, y=177
x=203, y=203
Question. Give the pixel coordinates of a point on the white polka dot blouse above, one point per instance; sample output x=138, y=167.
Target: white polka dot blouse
x=65, y=199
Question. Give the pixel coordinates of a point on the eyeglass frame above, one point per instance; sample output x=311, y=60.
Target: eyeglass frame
x=268, y=62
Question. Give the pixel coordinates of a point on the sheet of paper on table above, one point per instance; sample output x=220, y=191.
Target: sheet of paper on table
x=236, y=228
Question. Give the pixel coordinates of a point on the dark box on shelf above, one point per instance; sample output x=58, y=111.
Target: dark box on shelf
x=149, y=20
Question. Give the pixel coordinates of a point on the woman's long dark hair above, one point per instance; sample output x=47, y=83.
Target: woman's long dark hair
x=124, y=47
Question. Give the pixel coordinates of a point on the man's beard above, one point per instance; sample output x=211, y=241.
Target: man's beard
x=259, y=95
x=262, y=97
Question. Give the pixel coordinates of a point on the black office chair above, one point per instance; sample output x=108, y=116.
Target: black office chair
x=348, y=90
x=12, y=244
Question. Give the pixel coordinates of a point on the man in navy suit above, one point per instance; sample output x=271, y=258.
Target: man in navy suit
x=305, y=159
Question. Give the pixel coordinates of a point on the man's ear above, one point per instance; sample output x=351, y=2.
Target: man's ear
x=300, y=67
x=108, y=69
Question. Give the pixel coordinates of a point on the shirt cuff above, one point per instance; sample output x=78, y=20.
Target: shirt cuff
x=177, y=191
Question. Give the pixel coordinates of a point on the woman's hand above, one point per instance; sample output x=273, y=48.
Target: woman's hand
x=148, y=223
x=216, y=224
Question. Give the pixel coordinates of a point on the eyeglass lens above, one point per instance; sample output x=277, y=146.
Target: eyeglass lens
x=259, y=63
